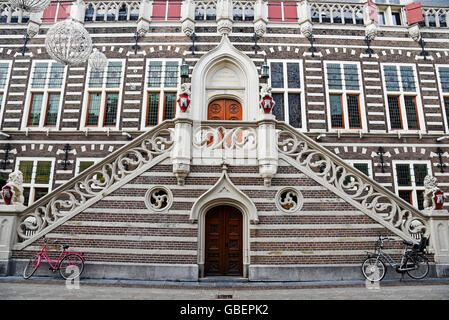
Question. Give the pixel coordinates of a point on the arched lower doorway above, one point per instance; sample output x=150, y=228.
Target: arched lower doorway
x=223, y=242
x=224, y=109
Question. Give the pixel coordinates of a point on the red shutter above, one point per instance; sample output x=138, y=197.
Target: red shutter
x=174, y=10
x=274, y=11
x=64, y=10
x=414, y=13
x=159, y=10
x=49, y=14
x=290, y=12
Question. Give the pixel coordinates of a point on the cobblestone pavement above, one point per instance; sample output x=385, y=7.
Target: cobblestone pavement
x=15, y=288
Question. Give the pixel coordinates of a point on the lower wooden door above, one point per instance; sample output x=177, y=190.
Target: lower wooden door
x=224, y=247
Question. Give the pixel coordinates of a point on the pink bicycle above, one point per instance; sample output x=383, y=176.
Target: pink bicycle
x=69, y=264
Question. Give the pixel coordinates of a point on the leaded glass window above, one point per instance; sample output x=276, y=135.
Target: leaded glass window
x=287, y=90
x=444, y=78
x=277, y=75
x=409, y=181
x=162, y=81
x=104, y=95
x=37, y=177
x=344, y=95
x=395, y=113
x=402, y=96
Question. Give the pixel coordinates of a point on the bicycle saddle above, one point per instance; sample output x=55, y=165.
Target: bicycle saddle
x=65, y=247
x=408, y=243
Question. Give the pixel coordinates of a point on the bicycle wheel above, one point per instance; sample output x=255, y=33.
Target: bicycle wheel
x=32, y=266
x=373, y=269
x=420, y=264
x=71, y=266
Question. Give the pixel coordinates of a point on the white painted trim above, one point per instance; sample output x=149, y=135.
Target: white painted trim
x=442, y=95
x=103, y=90
x=401, y=94
x=4, y=90
x=286, y=90
x=45, y=92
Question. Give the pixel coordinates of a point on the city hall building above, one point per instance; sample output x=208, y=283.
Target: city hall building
x=267, y=140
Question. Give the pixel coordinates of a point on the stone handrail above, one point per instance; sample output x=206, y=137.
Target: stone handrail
x=357, y=188
x=93, y=182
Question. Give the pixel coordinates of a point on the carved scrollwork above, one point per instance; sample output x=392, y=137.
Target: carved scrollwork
x=289, y=200
x=225, y=138
x=354, y=186
x=158, y=198
x=94, y=181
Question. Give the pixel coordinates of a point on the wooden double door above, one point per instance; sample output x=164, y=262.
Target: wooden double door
x=224, y=242
x=224, y=109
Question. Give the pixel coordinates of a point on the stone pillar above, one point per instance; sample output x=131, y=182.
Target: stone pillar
x=78, y=11
x=34, y=23
x=8, y=234
x=181, y=154
x=260, y=17
x=224, y=17
x=145, y=12
x=267, y=150
x=188, y=17
x=439, y=239
x=305, y=20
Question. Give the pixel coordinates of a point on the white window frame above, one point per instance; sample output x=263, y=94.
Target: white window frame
x=368, y=162
x=344, y=92
x=285, y=90
x=442, y=94
x=161, y=90
x=413, y=186
x=104, y=90
x=401, y=93
x=45, y=91
x=32, y=185
x=4, y=91
x=79, y=160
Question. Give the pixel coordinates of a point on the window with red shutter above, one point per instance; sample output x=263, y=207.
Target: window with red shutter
x=159, y=10
x=290, y=12
x=174, y=10
x=274, y=11
x=64, y=10
x=49, y=14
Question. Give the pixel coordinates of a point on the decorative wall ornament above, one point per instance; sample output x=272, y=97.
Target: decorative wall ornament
x=96, y=180
x=224, y=27
x=13, y=190
x=289, y=200
x=266, y=100
x=97, y=60
x=307, y=29
x=158, y=198
x=68, y=42
x=184, y=97
x=188, y=27
x=359, y=190
x=30, y=5
x=260, y=28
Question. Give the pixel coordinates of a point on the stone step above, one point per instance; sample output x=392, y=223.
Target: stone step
x=223, y=279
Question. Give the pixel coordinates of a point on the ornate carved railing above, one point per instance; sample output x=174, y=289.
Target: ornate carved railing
x=358, y=189
x=95, y=181
x=235, y=139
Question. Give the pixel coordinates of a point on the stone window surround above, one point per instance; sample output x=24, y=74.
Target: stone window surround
x=4, y=89
x=401, y=93
x=46, y=90
x=161, y=90
x=32, y=185
x=413, y=186
x=285, y=90
x=103, y=91
x=344, y=92
x=443, y=95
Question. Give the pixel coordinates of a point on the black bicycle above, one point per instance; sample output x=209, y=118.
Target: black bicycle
x=414, y=261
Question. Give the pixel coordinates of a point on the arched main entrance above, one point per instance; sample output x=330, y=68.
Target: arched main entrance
x=224, y=109
x=223, y=242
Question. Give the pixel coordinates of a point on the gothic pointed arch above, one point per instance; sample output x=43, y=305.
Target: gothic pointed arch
x=225, y=70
